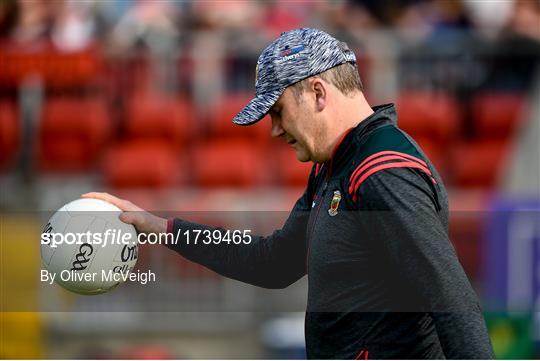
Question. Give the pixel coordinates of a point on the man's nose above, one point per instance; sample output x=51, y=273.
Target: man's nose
x=277, y=130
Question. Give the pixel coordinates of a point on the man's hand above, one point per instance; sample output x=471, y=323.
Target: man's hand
x=142, y=220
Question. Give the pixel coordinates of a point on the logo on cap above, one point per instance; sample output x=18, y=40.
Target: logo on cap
x=290, y=51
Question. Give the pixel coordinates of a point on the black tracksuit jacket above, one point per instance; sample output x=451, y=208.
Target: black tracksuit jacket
x=371, y=233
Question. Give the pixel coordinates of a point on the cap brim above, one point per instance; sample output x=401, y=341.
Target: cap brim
x=257, y=108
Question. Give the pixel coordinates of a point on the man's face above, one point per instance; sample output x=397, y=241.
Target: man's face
x=295, y=122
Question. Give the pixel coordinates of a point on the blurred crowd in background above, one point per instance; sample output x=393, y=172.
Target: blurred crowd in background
x=136, y=97
x=162, y=79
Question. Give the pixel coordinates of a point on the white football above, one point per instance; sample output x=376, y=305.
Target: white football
x=87, y=248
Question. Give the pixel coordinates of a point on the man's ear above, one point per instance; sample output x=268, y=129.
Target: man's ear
x=320, y=89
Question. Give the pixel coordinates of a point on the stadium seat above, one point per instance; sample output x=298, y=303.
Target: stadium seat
x=127, y=76
x=434, y=152
x=222, y=163
x=290, y=170
x=59, y=70
x=74, y=70
x=154, y=117
x=497, y=114
x=142, y=163
x=72, y=133
x=428, y=114
x=225, y=110
x=476, y=164
x=9, y=133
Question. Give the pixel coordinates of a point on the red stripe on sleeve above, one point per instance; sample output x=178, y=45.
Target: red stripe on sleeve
x=361, y=168
x=365, y=165
x=386, y=152
x=359, y=182
x=362, y=355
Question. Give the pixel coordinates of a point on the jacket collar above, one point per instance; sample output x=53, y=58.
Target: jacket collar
x=382, y=115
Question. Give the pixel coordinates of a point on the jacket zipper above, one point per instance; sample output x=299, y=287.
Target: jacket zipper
x=311, y=224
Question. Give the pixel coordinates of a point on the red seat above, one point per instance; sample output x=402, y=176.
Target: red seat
x=60, y=70
x=9, y=133
x=142, y=163
x=497, y=114
x=74, y=70
x=225, y=110
x=478, y=164
x=72, y=133
x=291, y=171
x=435, y=153
x=428, y=114
x=228, y=163
x=153, y=117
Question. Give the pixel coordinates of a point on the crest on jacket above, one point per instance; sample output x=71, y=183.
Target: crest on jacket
x=333, y=210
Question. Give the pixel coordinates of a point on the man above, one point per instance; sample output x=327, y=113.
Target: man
x=370, y=231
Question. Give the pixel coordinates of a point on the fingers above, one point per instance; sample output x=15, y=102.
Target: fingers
x=120, y=203
x=145, y=222
x=129, y=218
